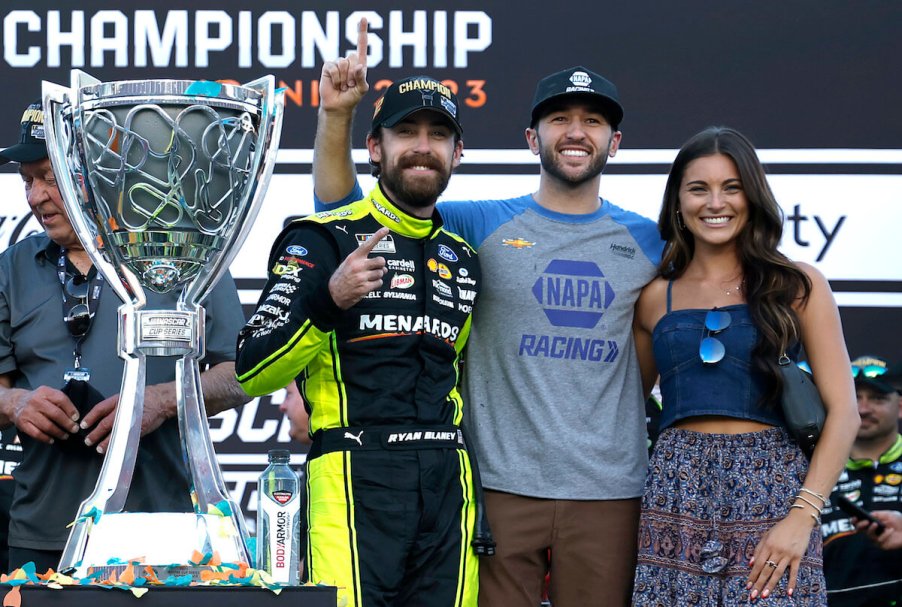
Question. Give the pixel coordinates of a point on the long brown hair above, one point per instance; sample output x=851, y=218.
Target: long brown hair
x=771, y=282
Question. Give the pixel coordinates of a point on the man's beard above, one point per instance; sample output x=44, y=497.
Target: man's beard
x=415, y=193
x=552, y=167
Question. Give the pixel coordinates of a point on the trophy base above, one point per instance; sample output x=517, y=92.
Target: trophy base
x=166, y=541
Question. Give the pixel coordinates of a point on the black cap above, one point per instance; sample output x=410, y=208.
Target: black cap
x=582, y=82
x=410, y=95
x=32, y=145
x=875, y=372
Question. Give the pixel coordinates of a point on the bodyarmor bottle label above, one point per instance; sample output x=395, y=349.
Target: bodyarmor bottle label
x=279, y=523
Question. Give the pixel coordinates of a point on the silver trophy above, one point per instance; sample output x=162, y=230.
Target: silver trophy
x=162, y=180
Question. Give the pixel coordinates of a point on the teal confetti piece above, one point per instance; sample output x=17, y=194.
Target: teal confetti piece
x=204, y=88
x=29, y=570
x=178, y=580
x=225, y=508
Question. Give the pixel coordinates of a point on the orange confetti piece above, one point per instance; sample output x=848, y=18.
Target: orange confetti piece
x=127, y=576
x=151, y=575
x=46, y=576
x=197, y=556
x=13, y=598
x=216, y=561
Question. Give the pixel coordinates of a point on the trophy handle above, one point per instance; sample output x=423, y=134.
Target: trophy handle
x=121, y=279
x=268, y=137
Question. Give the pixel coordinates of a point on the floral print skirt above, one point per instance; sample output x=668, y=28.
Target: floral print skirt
x=709, y=498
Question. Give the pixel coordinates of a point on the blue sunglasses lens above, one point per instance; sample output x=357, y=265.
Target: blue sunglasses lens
x=711, y=350
x=717, y=320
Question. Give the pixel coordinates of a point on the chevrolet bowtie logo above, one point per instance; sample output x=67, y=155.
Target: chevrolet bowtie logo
x=517, y=243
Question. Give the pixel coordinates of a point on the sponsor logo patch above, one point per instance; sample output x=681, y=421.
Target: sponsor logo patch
x=286, y=269
x=624, y=251
x=401, y=265
x=296, y=250
x=466, y=294
x=573, y=293
x=441, y=269
x=402, y=281
x=386, y=245
x=385, y=211
x=446, y=253
x=442, y=302
x=518, y=243
x=442, y=288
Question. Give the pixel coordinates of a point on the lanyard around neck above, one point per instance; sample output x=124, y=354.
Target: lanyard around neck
x=91, y=301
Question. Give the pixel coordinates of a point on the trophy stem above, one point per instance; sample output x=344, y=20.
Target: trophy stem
x=118, y=466
x=209, y=491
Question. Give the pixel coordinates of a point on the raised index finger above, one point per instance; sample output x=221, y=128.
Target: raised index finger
x=367, y=247
x=362, y=38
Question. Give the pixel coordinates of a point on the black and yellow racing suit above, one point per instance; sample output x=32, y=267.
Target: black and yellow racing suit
x=390, y=490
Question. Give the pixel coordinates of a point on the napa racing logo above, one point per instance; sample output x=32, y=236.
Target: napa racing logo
x=574, y=296
x=573, y=293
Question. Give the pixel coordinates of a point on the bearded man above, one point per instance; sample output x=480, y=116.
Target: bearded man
x=362, y=309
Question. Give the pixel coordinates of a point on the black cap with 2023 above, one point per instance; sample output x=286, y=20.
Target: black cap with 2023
x=32, y=145
x=413, y=94
x=578, y=81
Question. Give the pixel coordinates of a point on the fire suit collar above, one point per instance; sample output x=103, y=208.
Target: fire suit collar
x=392, y=217
x=889, y=456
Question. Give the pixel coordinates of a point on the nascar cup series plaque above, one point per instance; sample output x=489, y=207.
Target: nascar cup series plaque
x=162, y=180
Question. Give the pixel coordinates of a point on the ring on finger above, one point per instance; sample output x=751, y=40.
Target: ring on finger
x=770, y=564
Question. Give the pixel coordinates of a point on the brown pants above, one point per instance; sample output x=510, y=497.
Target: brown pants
x=593, y=551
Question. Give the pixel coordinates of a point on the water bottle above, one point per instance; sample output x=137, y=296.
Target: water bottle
x=279, y=519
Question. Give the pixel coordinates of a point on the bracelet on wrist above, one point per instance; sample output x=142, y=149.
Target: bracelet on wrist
x=810, y=503
x=815, y=494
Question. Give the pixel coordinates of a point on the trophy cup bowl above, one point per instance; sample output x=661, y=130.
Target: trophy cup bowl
x=162, y=180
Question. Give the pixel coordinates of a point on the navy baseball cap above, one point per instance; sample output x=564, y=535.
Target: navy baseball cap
x=413, y=94
x=32, y=145
x=579, y=82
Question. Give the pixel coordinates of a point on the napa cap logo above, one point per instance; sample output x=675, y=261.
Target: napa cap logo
x=580, y=79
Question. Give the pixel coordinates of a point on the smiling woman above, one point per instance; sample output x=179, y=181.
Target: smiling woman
x=713, y=205
x=728, y=304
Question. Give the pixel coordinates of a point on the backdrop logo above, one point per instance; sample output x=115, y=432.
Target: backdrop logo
x=573, y=293
x=272, y=39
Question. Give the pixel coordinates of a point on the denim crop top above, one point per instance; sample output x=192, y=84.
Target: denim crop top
x=732, y=387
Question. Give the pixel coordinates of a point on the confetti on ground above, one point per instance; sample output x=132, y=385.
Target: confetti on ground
x=138, y=578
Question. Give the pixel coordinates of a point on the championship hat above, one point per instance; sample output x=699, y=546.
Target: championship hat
x=32, y=145
x=413, y=94
x=875, y=372
x=582, y=82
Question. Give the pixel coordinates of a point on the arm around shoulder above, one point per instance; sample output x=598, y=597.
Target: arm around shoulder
x=647, y=313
